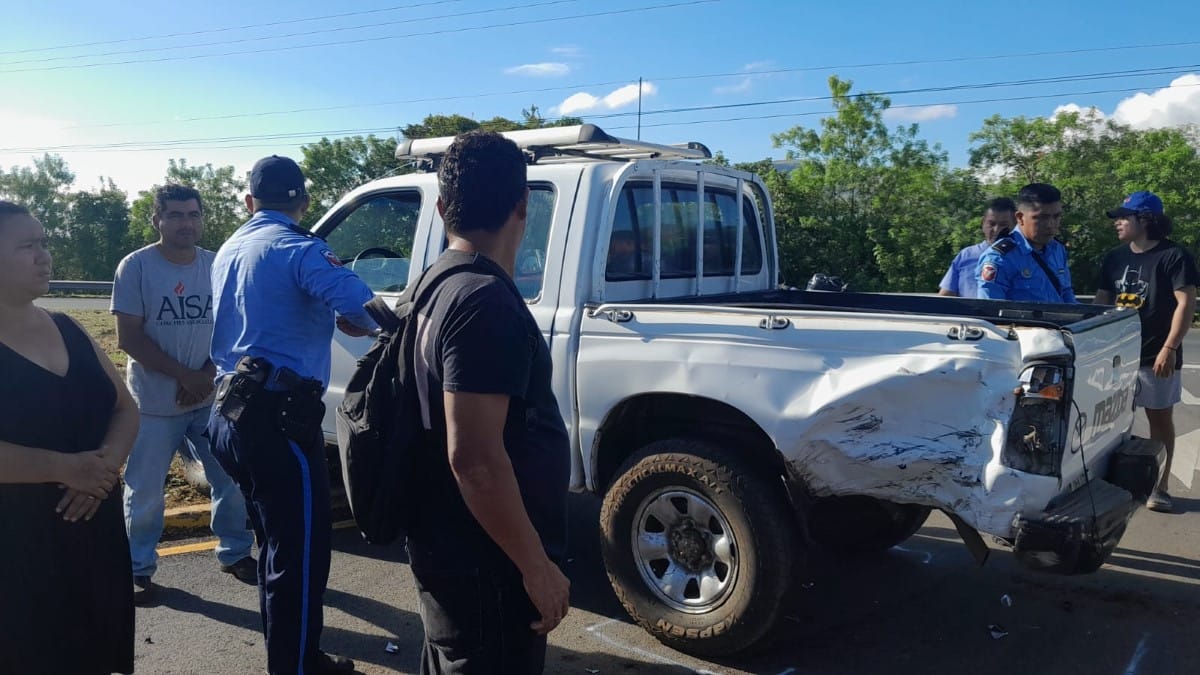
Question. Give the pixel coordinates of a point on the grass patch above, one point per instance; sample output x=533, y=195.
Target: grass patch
x=102, y=326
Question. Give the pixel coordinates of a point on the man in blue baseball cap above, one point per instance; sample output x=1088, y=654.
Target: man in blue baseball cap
x=276, y=290
x=1158, y=278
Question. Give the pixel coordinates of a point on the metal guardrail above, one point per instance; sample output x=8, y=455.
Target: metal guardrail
x=98, y=287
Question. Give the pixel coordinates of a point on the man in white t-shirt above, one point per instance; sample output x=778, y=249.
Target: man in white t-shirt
x=162, y=299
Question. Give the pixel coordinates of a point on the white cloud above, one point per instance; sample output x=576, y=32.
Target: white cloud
x=925, y=113
x=619, y=98
x=628, y=94
x=1078, y=109
x=741, y=87
x=746, y=83
x=577, y=103
x=1092, y=118
x=567, y=51
x=1175, y=105
x=539, y=70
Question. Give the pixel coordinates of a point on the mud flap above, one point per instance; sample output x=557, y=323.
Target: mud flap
x=1136, y=466
x=1077, y=533
x=970, y=536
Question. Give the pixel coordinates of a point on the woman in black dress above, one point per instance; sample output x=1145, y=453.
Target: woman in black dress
x=66, y=425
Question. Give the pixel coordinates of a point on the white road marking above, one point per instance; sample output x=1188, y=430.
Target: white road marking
x=1187, y=398
x=926, y=556
x=1138, y=653
x=597, y=629
x=1187, y=457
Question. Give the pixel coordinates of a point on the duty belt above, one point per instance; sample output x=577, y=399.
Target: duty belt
x=293, y=401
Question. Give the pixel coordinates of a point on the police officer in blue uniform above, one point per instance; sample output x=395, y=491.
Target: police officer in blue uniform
x=1029, y=265
x=276, y=289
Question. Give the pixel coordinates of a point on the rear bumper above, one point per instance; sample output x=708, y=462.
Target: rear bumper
x=1077, y=532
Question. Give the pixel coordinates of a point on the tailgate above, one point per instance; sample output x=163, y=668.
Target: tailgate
x=1107, y=355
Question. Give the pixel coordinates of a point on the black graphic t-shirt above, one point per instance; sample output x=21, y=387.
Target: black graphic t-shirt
x=1147, y=282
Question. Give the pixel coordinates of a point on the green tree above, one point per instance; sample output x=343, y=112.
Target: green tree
x=1094, y=163
x=531, y=118
x=874, y=205
x=1018, y=149
x=436, y=126
x=43, y=189
x=96, y=230
x=335, y=167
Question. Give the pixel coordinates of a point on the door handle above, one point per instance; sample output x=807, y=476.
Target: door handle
x=965, y=333
x=774, y=323
x=613, y=315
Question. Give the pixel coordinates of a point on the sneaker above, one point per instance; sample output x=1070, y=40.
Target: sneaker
x=246, y=570
x=332, y=663
x=144, y=591
x=1160, y=501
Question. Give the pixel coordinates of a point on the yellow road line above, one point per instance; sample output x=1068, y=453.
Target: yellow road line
x=188, y=548
x=211, y=544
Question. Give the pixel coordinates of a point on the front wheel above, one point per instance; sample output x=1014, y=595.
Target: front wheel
x=699, y=546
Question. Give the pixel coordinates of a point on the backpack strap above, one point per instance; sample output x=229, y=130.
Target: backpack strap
x=416, y=294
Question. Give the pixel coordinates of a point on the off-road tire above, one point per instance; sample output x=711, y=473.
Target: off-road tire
x=763, y=524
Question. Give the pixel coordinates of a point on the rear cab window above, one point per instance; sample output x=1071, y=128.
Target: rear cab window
x=630, y=256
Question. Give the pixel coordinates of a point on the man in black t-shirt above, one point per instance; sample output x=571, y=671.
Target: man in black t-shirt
x=491, y=531
x=1158, y=278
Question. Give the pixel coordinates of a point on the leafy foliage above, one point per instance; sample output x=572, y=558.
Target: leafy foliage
x=873, y=203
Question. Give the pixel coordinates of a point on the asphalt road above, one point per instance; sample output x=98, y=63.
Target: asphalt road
x=920, y=608
x=63, y=304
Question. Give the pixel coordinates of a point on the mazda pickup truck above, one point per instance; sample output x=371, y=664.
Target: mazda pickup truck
x=729, y=424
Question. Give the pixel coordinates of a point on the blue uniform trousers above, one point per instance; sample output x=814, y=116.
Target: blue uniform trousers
x=286, y=486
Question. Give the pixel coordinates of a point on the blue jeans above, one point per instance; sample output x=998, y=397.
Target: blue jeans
x=145, y=473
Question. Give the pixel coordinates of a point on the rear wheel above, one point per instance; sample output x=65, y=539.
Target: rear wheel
x=861, y=525
x=699, y=546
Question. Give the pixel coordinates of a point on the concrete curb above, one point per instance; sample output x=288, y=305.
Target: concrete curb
x=183, y=519
x=187, y=518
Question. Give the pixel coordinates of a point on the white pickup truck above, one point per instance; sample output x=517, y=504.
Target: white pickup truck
x=730, y=424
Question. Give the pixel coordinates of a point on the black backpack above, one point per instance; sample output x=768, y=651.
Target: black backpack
x=380, y=433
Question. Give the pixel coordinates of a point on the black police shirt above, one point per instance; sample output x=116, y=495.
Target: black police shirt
x=1147, y=282
x=478, y=336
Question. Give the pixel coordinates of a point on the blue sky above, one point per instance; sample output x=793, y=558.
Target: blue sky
x=410, y=58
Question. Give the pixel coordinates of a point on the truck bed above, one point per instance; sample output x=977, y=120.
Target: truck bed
x=995, y=311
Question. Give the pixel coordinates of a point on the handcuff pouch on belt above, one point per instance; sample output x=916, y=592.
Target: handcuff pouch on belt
x=296, y=400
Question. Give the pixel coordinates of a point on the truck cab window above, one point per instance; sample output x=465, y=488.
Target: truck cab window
x=375, y=240
x=631, y=245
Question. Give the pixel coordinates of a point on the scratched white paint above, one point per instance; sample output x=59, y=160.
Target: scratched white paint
x=858, y=404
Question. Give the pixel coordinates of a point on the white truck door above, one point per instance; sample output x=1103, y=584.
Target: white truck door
x=377, y=235
x=539, y=264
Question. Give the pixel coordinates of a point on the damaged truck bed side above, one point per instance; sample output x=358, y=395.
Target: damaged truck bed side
x=728, y=424
x=1012, y=418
